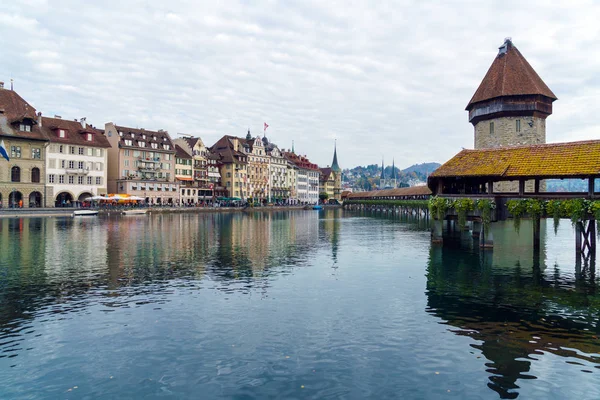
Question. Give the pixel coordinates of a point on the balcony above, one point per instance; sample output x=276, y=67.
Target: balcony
x=150, y=159
x=77, y=171
x=147, y=168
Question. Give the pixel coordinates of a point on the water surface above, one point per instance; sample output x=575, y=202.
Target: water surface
x=300, y=304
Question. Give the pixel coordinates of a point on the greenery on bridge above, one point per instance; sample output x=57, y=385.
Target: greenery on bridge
x=391, y=203
x=439, y=205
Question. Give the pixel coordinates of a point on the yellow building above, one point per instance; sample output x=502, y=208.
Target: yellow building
x=330, y=182
x=258, y=169
x=232, y=158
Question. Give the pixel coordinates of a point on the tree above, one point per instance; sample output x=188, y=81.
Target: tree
x=323, y=196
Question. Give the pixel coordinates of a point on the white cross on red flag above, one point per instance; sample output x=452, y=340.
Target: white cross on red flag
x=266, y=126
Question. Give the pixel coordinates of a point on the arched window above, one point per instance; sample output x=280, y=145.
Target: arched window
x=35, y=175
x=15, y=174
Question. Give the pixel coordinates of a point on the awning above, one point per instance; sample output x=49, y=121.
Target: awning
x=185, y=178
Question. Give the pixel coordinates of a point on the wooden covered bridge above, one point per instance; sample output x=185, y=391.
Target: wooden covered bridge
x=514, y=176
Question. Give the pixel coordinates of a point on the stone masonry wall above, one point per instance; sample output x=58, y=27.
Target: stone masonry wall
x=505, y=135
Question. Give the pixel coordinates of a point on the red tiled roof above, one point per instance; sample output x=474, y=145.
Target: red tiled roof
x=75, y=133
x=13, y=110
x=555, y=160
x=300, y=161
x=510, y=75
x=160, y=137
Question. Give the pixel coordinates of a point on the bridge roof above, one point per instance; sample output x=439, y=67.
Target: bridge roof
x=409, y=191
x=555, y=160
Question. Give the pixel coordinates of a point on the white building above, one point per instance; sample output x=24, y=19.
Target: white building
x=76, y=161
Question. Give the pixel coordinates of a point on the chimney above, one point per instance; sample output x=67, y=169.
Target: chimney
x=39, y=115
x=83, y=122
x=1, y=85
x=57, y=117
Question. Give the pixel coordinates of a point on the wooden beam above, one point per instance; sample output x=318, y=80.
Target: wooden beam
x=536, y=185
x=591, y=188
x=521, y=187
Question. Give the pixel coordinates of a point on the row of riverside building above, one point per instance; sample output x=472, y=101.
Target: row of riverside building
x=60, y=162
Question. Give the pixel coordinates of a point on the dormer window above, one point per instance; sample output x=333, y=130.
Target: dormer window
x=153, y=137
x=141, y=144
x=164, y=139
x=167, y=147
x=132, y=134
x=62, y=133
x=23, y=127
x=155, y=145
x=128, y=142
x=144, y=137
x=120, y=133
x=89, y=137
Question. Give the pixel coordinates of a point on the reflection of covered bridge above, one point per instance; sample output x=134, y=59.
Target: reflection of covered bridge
x=475, y=173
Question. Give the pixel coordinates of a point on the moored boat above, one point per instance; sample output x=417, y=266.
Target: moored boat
x=137, y=211
x=84, y=213
x=317, y=207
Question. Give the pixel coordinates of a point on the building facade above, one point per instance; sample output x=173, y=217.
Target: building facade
x=142, y=163
x=279, y=190
x=184, y=174
x=258, y=169
x=23, y=177
x=76, y=161
x=232, y=160
x=307, y=178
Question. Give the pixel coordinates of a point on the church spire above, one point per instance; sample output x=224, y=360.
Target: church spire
x=382, y=170
x=393, y=169
x=248, y=136
x=334, y=165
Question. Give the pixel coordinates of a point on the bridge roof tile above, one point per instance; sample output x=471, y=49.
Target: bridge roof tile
x=555, y=160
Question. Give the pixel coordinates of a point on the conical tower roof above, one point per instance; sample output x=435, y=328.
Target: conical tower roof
x=382, y=170
x=510, y=75
x=334, y=165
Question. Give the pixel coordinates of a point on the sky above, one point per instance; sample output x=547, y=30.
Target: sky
x=384, y=79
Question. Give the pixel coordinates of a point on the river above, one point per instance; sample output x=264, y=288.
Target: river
x=300, y=304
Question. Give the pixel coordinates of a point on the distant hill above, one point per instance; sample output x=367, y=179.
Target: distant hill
x=425, y=168
x=367, y=177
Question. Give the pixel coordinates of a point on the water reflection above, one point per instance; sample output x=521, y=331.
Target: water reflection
x=514, y=307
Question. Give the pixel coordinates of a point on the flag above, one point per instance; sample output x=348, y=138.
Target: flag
x=266, y=126
x=3, y=152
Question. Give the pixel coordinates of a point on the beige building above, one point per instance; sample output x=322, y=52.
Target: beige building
x=279, y=191
x=184, y=173
x=258, y=169
x=76, y=161
x=232, y=159
x=142, y=163
x=330, y=181
x=23, y=178
x=205, y=171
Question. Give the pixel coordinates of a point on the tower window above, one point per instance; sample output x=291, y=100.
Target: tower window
x=491, y=128
x=518, y=125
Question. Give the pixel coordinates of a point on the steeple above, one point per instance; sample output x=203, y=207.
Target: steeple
x=248, y=136
x=382, y=177
x=334, y=165
x=393, y=169
x=293, y=147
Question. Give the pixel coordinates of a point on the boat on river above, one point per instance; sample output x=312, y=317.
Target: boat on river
x=317, y=207
x=138, y=211
x=85, y=213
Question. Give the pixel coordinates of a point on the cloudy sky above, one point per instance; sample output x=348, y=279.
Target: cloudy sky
x=388, y=78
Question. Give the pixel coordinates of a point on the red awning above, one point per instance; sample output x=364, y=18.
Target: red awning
x=185, y=178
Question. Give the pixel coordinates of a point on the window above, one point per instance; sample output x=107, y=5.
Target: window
x=15, y=174
x=81, y=151
x=15, y=152
x=491, y=128
x=98, y=180
x=126, y=163
x=154, y=145
x=62, y=163
x=518, y=125
x=136, y=153
x=128, y=142
x=25, y=128
x=126, y=152
x=89, y=137
x=35, y=175
x=71, y=164
x=80, y=165
x=61, y=179
x=51, y=178
x=90, y=151
x=62, y=134
x=167, y=147
x=99, y=166
x=89, y=180
x=71, y=179
x=80, y=180
x=125, y=172
x=36, y=153
x=61, y=149
x=72, y=149
x=142, y=144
